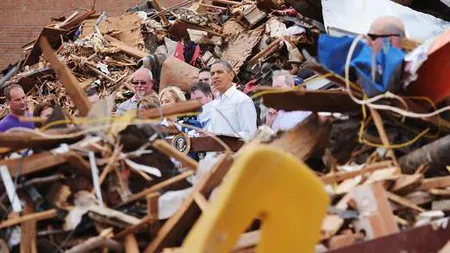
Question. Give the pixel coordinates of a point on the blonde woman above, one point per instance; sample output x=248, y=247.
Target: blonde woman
x=171, y=95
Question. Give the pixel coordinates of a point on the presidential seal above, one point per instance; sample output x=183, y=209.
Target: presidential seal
x=182, y=143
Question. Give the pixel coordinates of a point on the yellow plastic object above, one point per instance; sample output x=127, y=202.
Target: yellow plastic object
x=269, y=184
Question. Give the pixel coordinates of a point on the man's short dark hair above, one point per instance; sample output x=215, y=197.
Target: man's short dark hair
x=205, y=69
x=226, y=64
x=8, y=89
x=203, y=87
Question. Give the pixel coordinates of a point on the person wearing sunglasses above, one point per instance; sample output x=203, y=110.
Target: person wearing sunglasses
x=386, y=30
x=142, y=82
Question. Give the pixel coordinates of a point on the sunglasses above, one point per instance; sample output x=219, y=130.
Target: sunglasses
x=139, y=83
x=373, y=36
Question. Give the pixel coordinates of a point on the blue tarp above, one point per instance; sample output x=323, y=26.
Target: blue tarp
x=333, y=53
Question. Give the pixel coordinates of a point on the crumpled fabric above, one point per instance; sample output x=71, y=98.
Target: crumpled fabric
x=389, y=62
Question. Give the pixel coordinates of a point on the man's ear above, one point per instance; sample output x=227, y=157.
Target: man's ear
x=232, y=75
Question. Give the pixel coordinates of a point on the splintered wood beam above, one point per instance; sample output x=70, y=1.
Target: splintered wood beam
x=167, y=110
x=95, y=243
x=184, y=218
x=382, y=132
x=405, y=202
x=21, y=140
x=341, y=176
x=144, y=223
x=152, y=211
x=307, y=100
x=33, y=163
x=131, y=51
x=67, y=78
x=131, y=245
x=157, y=187
x=45, y=215
x=28, y=230
x=164, y=147
x=165, y=22
x=377, y=219
x=435, y=182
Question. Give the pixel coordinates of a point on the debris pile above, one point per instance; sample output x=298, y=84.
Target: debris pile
x=86, y=181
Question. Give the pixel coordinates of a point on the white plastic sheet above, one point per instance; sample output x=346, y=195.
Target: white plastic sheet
x=356, y=16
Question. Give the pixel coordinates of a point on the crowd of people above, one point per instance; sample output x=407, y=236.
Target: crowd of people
x=225, y=109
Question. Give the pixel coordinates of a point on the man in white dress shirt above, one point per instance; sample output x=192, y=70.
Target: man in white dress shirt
x=282, y=120
x=232, y=112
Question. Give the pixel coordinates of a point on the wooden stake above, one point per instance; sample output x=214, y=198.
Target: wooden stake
x=131, y=245
x=66, y=77
x=49, y=214
x=152, y=211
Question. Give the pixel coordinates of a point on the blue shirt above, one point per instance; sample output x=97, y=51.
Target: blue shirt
x=10, y=121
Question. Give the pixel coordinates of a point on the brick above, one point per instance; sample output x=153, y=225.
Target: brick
x=22, y=20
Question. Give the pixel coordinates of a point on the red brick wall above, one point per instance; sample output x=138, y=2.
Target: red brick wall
x=22, y=20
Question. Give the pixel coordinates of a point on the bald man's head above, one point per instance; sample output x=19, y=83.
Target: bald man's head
x=387, y=25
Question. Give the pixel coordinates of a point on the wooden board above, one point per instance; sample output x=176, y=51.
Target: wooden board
x=167, y=110
x=208, y=144
x=377, y=219
x=33, y=163
x=308, y=100
x=67, y=78
x=435, y=182
x=187, y=214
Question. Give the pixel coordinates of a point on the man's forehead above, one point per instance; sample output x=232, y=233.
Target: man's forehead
x=218, y=66
x=17, y=92
x=142, y=75
x=204, y=74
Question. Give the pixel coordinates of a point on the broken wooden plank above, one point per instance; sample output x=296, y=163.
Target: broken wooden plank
x=428, y=238
x=201, y=201
x=340, y=241
x=382, y=133
x=48, y=214
x=157, y=187
x=95, y=243
x=435, y=182
x=28, y=239
x=404, y=202
x=66, y=77
x=376, y=218
x=144, y=223
x=34, y=163
x=341, y=176
x=301, y=141
x=407, y=184
x=440, y=192
x=153, y=211
x=114, y=214
x=171, y=109
x=185, y=216
x=21, y=140
x=208, y=144
x=307, y=100
x=164, y=147
x=131, y=245
x=131, y=51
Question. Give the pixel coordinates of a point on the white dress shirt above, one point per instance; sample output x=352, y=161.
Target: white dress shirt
x=287, y=120
x=232, y=114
